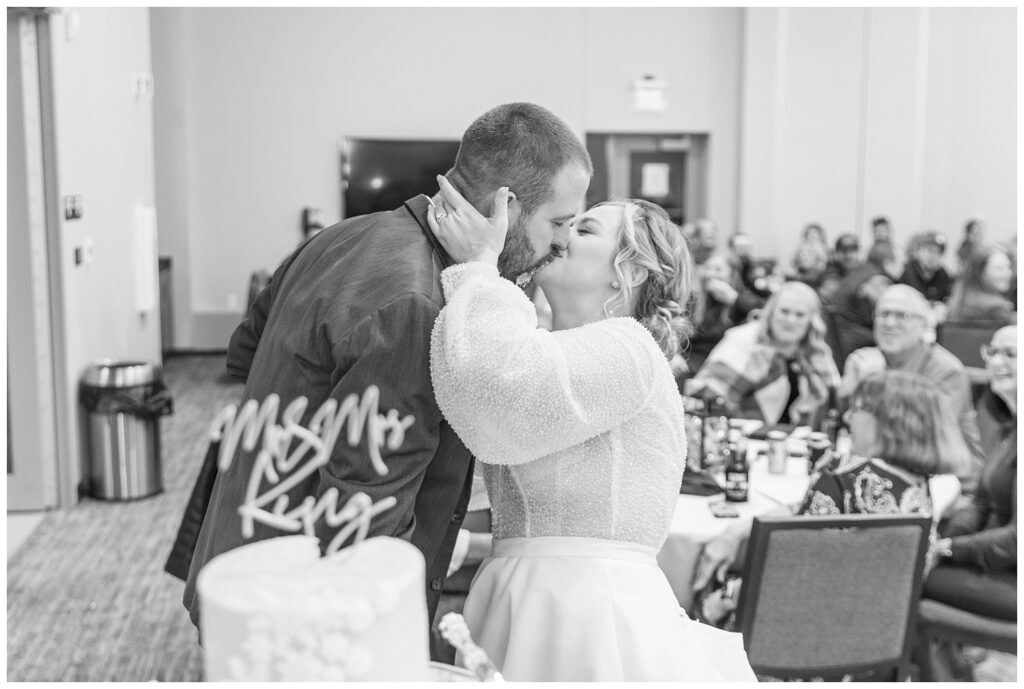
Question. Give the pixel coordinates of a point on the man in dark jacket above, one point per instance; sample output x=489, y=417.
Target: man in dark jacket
x=853, y=308
x=354, y=307
x=844, y=259
x=924, y=271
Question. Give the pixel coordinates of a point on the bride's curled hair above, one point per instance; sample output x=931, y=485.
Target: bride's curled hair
x=654, y=271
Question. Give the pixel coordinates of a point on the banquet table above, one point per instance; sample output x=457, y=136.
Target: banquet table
x=693, y=525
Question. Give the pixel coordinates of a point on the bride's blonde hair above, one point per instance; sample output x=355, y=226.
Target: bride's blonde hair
x=654, y=271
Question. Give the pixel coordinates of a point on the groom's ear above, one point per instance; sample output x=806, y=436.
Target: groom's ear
x=514, y=207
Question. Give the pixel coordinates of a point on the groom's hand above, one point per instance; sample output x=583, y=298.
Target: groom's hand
x=459, y=554
x=466, y=234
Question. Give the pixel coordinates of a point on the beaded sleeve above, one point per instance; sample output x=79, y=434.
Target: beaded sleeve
x=514, y=392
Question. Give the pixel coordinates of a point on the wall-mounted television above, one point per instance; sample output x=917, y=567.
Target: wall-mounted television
x=382, y=174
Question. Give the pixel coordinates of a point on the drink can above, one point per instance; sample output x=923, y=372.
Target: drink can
x=817, y=445
x=777, y=453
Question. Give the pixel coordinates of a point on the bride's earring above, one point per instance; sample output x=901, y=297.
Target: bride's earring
x=615, y=285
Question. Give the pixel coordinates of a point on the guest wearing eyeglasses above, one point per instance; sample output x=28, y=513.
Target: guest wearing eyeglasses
x=900, y=329
x=977, y=571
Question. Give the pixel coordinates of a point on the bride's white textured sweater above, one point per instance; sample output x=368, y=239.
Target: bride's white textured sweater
x=580, y=430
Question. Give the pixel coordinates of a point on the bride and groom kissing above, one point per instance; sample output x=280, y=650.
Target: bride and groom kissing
x=579, y=428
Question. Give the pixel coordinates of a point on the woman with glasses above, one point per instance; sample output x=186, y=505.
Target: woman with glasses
x=978, y=570
x=902, y=433
x=775, y=369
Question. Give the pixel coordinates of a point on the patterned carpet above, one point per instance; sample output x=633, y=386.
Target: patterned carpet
x=87, y=597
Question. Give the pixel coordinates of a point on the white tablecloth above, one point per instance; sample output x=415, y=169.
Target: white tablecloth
x=693, y=525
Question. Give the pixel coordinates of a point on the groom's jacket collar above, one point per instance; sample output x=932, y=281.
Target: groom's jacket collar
x=418, y=207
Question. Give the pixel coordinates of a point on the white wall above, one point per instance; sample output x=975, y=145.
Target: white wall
x=970, y=162
x=697, y=52
x=855, y=112
x=171, y=102
x=266, y=95
x=104, y=140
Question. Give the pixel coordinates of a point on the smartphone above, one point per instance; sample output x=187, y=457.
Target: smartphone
x=723, y=509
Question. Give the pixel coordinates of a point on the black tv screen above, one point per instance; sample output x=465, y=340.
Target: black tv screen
x=382, y=174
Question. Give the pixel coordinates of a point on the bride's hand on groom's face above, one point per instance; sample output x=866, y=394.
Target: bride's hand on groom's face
x=466, y=234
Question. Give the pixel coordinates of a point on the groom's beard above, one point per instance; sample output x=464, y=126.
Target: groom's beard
x=516, y=258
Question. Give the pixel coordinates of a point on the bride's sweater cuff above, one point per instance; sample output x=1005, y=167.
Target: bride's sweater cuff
x=454, y=277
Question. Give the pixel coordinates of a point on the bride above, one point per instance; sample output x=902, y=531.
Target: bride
x=580, y=431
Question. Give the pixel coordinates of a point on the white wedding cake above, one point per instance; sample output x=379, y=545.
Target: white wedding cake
x=275, y=610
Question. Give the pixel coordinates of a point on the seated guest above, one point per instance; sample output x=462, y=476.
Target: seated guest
x=740, y=245
x=720, y=301
x=809, y=264
x=901, y=327
x=924, y=271
x=977, y=567
x=881, y=230
x=702, y=236
x=853, y=306
x=844, y=259
x=810, y=259
x=778, y=368
x=974, y=236
x=813, y=235
x=902, y=433
x=979, y=293
x=753, y=275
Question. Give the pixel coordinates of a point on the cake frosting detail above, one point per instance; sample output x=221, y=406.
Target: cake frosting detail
x=274, y=610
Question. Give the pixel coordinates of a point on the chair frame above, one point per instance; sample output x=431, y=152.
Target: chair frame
x=753, y=573
x=927, y=632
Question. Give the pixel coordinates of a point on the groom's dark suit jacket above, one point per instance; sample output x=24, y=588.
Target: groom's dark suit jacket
x=352, y=307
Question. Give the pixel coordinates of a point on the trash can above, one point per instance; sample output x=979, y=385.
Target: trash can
x=124, y=401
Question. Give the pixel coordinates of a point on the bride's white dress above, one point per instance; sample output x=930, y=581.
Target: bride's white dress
x=581, y=436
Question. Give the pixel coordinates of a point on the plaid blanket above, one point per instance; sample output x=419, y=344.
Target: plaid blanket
x=752, y=377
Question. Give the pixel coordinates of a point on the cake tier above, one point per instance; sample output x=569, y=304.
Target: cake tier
x=275, y=610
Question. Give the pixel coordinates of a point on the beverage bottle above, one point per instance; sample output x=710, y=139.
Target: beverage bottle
x=737, y=472
x=818, y=447
x=832, y=422
x=715, y=427
x=693, y=424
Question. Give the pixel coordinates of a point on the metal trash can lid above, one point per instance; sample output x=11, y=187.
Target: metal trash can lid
x=120, y=374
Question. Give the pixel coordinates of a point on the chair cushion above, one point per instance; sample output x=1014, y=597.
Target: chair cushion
x=815, y=609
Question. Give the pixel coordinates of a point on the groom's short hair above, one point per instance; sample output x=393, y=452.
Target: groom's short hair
x=519, y=145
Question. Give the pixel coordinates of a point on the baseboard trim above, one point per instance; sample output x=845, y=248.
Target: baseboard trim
x=191, y=351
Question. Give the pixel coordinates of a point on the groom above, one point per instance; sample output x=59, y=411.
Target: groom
x=355, y=305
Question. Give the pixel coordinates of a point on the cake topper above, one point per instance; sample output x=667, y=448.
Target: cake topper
x=283, y=469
